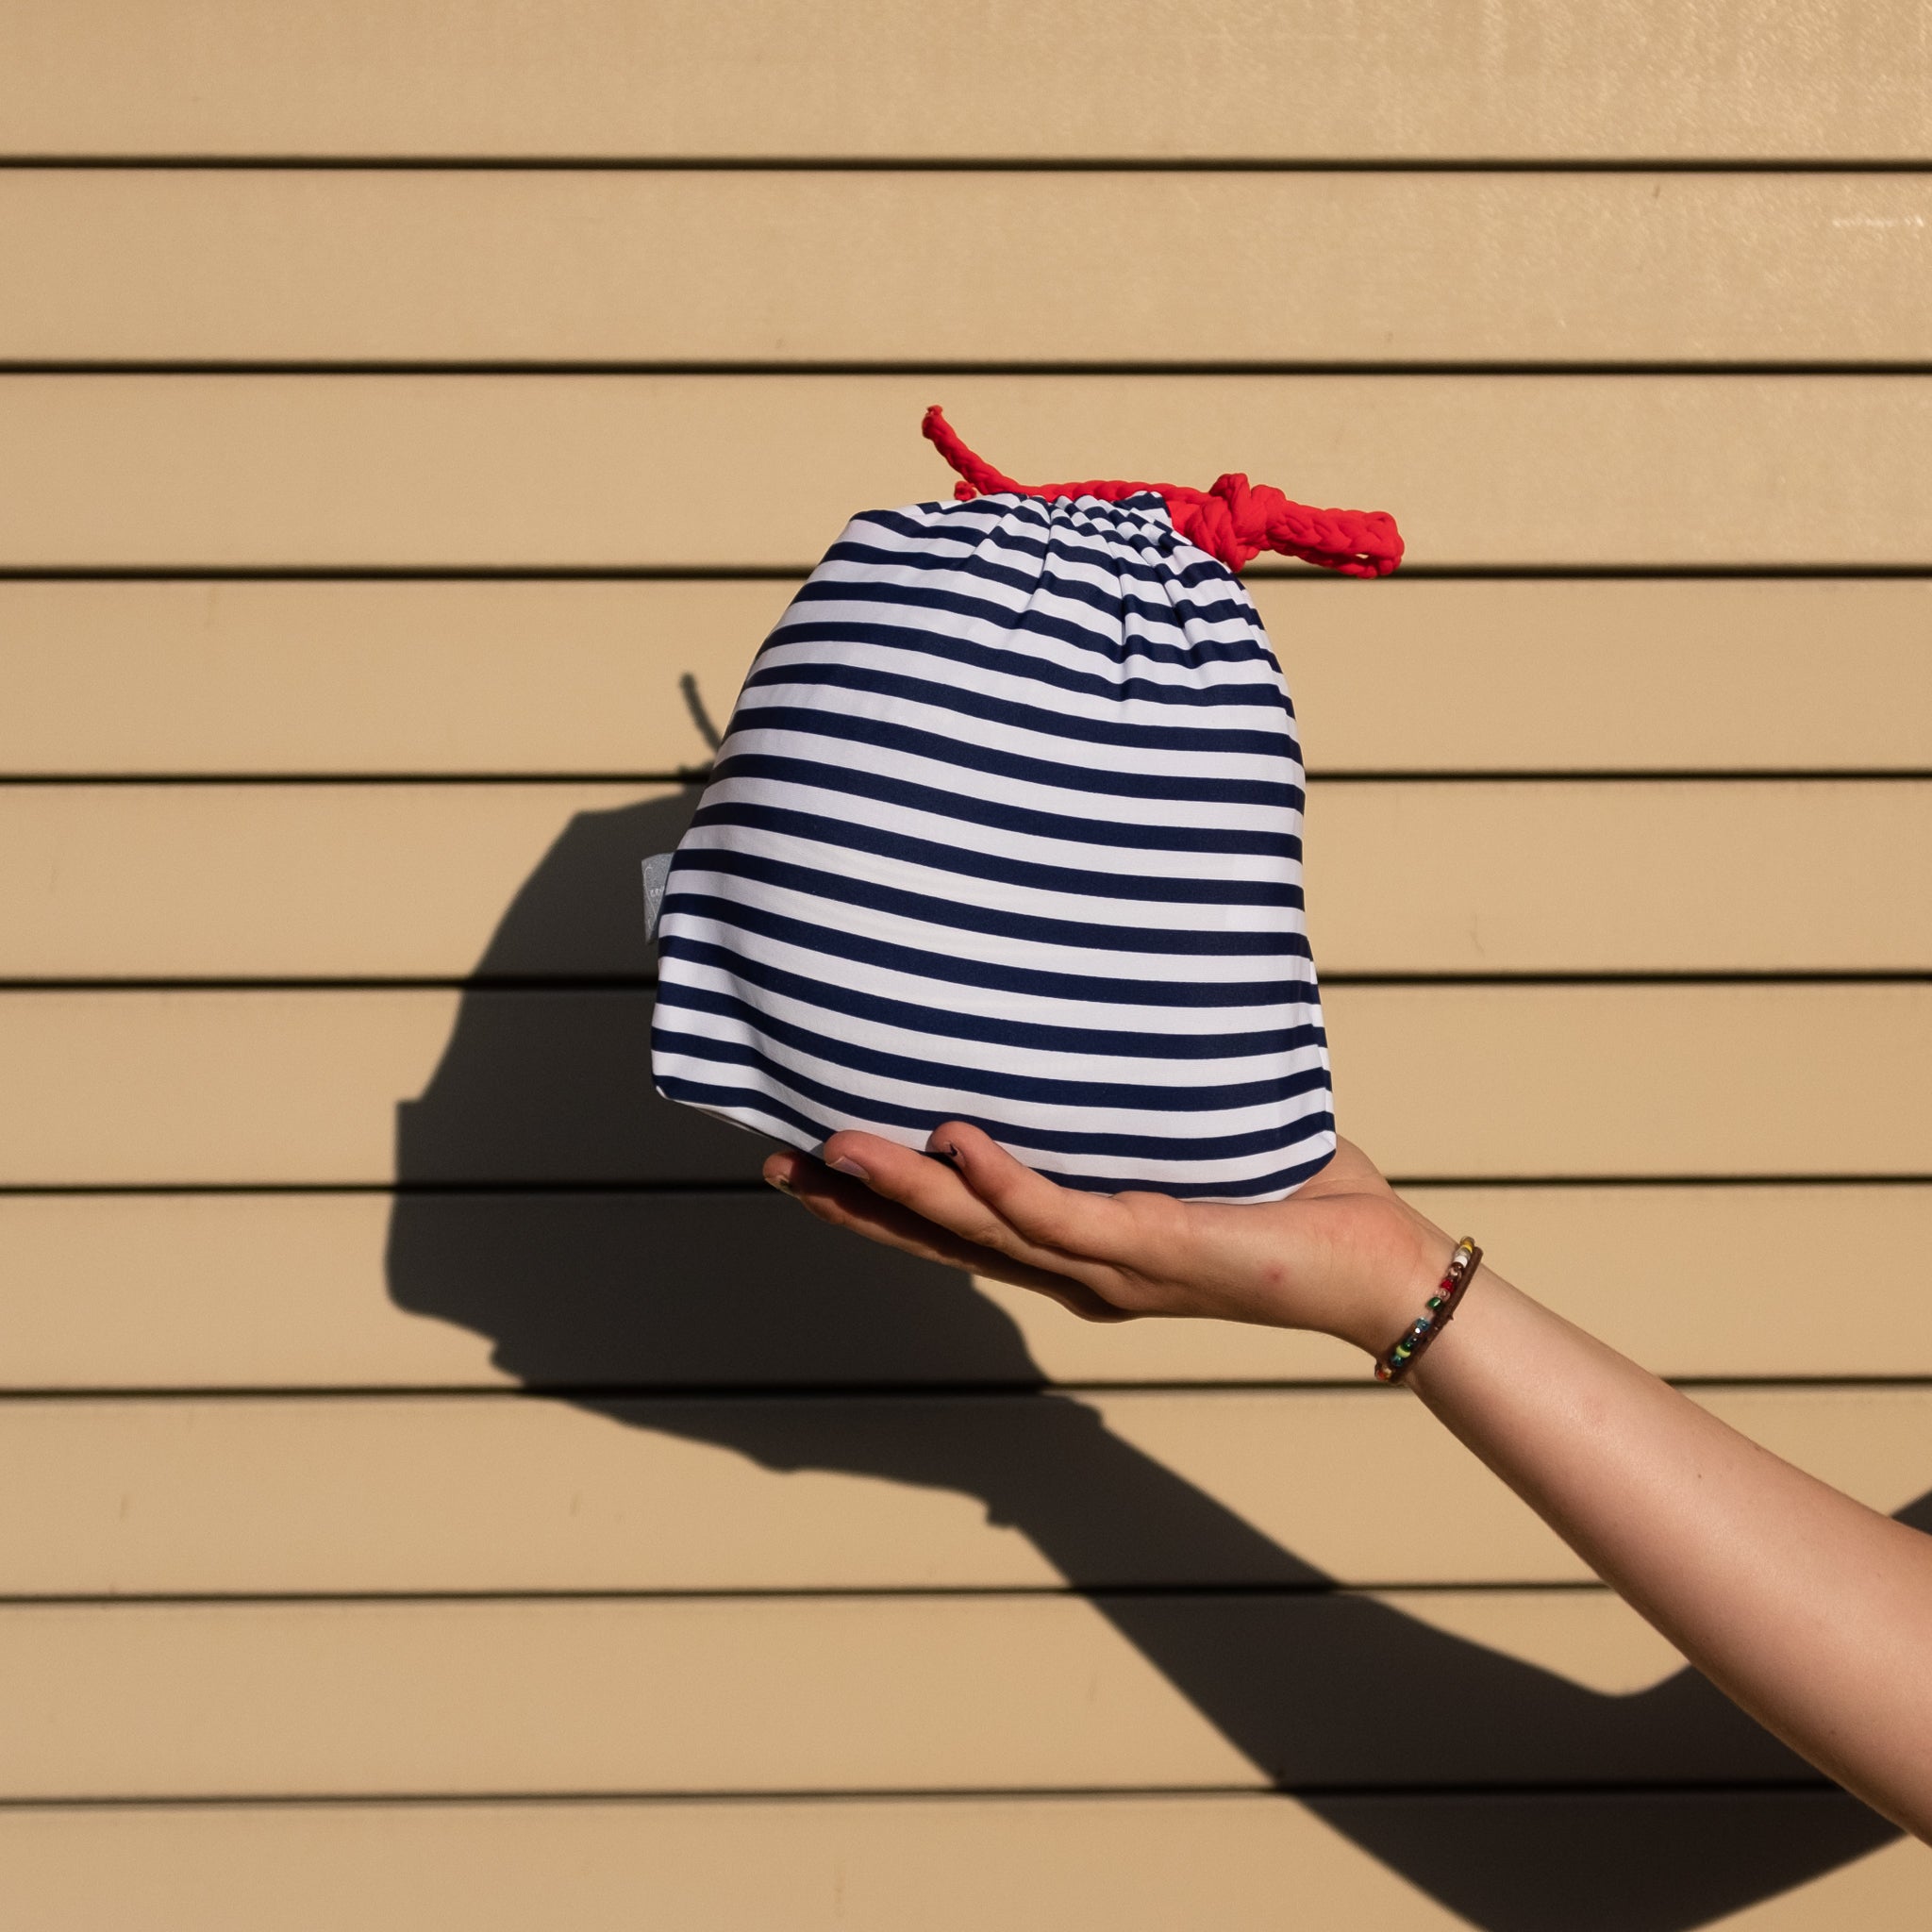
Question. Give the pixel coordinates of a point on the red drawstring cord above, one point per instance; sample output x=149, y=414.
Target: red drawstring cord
x=1233, y=520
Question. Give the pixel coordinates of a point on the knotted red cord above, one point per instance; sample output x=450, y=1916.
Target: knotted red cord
x=1233, y=520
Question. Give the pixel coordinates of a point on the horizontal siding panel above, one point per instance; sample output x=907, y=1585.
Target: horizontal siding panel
x=598, y=472
x=397, y=678
x=1620, y=877
x=1419, y=674
x=679, y=1291
x=272, y=1087
x=324, y=1495
x=211, y=1088
x=1636, y=1080
x=837, y=1694
x=1220, y=1863
x=789, y=267
x=187, y=882
x=184, y=882
x=865, y=77
x=586, y=676
x=1142, y=1865
x=1607, y=675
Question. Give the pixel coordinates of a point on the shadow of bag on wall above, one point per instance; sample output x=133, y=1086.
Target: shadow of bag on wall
x=619, y=1252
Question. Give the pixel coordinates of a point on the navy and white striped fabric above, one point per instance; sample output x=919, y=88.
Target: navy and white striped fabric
x=1006, y=828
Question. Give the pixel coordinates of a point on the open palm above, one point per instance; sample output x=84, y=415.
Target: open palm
x=1344, y=1254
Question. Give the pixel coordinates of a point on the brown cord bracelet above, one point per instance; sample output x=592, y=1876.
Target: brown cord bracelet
x=1436, y=1316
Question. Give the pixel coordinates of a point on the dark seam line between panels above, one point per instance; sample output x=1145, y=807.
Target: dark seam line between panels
x=1645, y=977
x=882, y=1391
x=1714, y=1179
x=902, y=1593
x=685, y=775
x=1418, y=572
x=697, y=775
x=966, y=164
x=305, y=1189
x=643, y=983
x=941, y=368
x=797, y=573
x=1555, y=1789
x=1800, y=1383
x=1710, y=1178
x=690, y=776
x=512, y=1186
x=1628, y=774
x=508, y=983
x=615, y=1391
x=415, y=574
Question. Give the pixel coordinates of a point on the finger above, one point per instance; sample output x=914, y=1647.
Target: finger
x=935, y=1189
x=1051, y=1219
x=849, y=1204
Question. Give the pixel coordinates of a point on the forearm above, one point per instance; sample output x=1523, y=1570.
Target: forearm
x=1809, y=1609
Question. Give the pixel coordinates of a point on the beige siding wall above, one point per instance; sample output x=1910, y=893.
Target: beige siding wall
x=443, y=1488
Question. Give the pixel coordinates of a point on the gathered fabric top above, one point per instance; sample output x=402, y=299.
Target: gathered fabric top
x=1234, y=521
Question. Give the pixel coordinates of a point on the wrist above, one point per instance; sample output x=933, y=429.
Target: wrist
x=1391, y=1296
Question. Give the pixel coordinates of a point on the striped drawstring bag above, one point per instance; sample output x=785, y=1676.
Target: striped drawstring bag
x=1006, y=828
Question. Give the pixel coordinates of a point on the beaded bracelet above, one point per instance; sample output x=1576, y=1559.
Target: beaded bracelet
x=1435, y=1317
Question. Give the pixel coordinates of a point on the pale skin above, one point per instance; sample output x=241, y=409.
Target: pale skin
x=1810, y=1610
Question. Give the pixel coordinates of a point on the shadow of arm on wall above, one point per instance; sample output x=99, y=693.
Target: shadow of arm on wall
x=619, y=1297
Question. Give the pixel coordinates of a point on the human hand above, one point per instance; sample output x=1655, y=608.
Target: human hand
x=1344, y=1254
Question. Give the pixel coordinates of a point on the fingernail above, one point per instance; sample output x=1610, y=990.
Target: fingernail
x=778, y=1181
x=845, y=1164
